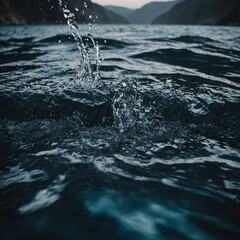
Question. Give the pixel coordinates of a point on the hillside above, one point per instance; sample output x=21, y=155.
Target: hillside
x=206, y=12
x=122, y=11
x=147, y=13
x=106, y=16
x=48, y=12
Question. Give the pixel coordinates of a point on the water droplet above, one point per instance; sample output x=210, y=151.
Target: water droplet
x=169, y=83
x=124, y=84
x=86, y=74
x=85, y=4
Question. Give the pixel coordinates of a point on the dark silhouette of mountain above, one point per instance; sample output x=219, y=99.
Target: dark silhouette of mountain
x=147, y=13
x=207, y=12
x=49, y=12
x=122, y=11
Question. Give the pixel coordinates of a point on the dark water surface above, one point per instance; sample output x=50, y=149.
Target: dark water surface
x=151, y=153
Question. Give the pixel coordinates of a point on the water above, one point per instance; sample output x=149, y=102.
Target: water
x=149, y=151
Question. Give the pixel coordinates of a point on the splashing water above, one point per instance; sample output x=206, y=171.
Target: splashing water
x=86, y=75
x=97, y=75
x=127, y=100
x=127, y=106
x=126, y=103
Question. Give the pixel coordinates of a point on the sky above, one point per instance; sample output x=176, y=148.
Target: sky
x=126, y=3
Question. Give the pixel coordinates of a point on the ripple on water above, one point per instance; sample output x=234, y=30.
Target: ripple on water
x=45, y=197
x=154, y=151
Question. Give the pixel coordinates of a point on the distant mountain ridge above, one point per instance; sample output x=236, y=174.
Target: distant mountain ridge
x=193, y=12
x=147, y=13
x=122, y=11
x=48, y=12
x=207, y=12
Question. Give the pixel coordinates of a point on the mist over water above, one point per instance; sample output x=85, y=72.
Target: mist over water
x=149, y=150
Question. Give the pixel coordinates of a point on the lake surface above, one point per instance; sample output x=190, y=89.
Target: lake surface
x=152, y=151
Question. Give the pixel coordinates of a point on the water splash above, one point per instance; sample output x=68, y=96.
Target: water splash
x=127, y=106
x=127, y=100
x=96, y=73
x=86, y=75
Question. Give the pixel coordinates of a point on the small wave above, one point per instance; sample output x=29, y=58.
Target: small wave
x=184, y=39
x=45, y=198
x=232, y=185
x=4, y=43
x=55, y=151
x=95, y=107
x=193, y=39
x=230, y=53
x=16, y=41
x=177, y=161
x=92, y=108
x=235, y=38
x=189, y=59
x=58, y=38
x=18, y=175
x=24, y=40
x=6, y=68
x=113, y=43
x=162, y=39
x=108, y=43
x=110, y=68
x=13, y=57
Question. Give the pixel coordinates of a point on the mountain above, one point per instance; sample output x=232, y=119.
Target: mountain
x=206, y=12
x=106, y=16
x=147, y=13
x=48, y=12
x=122, y=11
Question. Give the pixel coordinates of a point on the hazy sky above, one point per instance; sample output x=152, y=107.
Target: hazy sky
x=126, y=3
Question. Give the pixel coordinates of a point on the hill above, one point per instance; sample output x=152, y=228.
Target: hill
x=122, y=11
x=48, y=12
x=147, y=13
x=206, y=12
